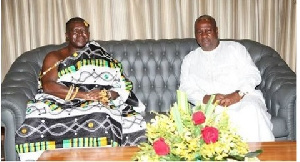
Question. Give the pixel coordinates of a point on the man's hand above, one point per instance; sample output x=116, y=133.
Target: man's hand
x=114, y=95
x=92, y=95
x=102, y=95
x=230, y=99
x=218, y=98
x=224, y=100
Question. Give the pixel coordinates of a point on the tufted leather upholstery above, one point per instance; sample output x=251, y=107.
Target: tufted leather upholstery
x=154, y=68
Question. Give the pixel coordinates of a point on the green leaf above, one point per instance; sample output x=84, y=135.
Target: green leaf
x=183, y=103
x=210, y=107
x=197, y=156
x=253, y=154
x=177, y=139
x=236, y=157
x=197, y=108
x=177, y=118
x=197, y=131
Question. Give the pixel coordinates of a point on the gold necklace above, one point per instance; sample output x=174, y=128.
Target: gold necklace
x=45, y=72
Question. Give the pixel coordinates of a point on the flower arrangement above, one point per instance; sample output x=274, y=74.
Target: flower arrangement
x=193, y=134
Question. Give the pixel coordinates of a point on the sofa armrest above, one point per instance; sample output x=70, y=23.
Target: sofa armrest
x=280, y=95
x=19, y=85
x=278, y=85
x=21, y=81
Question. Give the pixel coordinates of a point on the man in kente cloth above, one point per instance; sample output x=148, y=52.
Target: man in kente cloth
x=84, y=100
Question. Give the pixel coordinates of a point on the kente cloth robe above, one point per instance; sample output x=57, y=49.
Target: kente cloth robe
x=55, y=123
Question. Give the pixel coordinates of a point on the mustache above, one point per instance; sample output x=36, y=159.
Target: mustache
x=205, y=40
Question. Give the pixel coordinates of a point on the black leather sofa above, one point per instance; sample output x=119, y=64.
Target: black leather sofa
x=154, y=68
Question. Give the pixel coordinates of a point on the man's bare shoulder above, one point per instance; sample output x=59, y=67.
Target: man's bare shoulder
x=55, y=55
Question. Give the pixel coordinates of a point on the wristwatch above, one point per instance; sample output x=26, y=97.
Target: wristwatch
x=242, y=94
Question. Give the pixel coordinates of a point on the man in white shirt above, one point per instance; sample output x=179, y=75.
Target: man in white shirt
x=226, y=70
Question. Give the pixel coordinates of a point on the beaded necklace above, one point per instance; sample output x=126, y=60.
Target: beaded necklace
x=45, y=72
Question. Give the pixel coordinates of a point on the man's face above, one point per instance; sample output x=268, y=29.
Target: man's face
x=206, y=35
x=78, y=34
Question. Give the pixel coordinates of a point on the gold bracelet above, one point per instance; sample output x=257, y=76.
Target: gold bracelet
x=75, y=93
x=69, y=93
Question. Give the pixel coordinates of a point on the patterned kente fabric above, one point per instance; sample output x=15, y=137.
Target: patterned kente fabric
x=52, y=122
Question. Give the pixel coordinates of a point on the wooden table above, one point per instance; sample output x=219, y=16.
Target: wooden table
x=274, y=151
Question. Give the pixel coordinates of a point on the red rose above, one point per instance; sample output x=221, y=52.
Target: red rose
x=198, y=118
x=160, y=147
x=210, y=134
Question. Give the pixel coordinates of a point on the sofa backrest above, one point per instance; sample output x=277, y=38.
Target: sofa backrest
x=152, y=65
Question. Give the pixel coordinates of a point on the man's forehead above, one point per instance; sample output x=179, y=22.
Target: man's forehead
x=205, y=20
x=205, y=23
x=80, y=23
x=76, y=22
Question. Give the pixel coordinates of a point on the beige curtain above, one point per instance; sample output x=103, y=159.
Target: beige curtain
x=27, y=24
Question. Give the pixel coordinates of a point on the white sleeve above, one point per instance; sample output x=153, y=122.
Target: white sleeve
x=249, y=73
x=188, y=83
